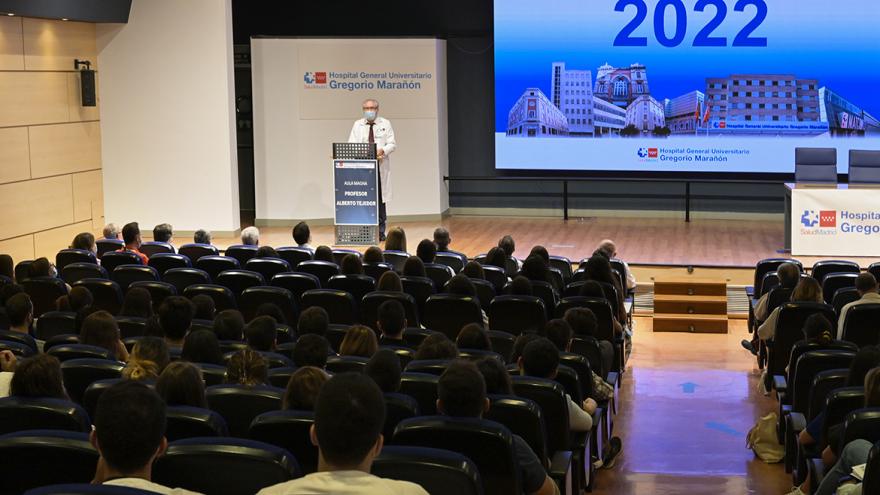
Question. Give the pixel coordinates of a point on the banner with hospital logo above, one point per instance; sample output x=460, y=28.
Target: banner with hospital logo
x=835, y=221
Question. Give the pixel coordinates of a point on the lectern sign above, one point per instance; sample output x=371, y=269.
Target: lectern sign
x=356, y=192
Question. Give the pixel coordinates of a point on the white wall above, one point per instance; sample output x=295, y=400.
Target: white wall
x=295, y=126
x=167, y=116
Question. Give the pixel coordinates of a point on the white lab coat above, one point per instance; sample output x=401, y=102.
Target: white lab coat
x=383, y=136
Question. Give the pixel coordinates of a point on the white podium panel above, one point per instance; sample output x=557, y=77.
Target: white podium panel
x=835, y=221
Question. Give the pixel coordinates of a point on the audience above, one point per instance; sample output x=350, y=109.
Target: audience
x=229, y=325
x=598, y=268
x=384, y=368
x=426, y=251
x=313, y=320
x=84, y=241
x=495, y=375
x=349, y=418
x=324, y=253
x=351, y=265
x=473, y=336
x=520, y=344
x=38, y=377
x=396, y=240
x=391, y=323
x=247, y=367
x=272, y=310
x=163, y=233
x=111, y=231
x=542, y=252
x=442, y=239
x=175, y=318
x=789, y=275
x=508, y=246
x=311, y=350
x=201, y=346
x=560, y=333
x=137, y=303
x=390, y=281
x=303, y=389
x=131, y=236
x=807, y=290
x=266, y=252
x=583, y=322
x=260, y=334
x=20, y=313
x=148, y=359
x=79, y=298
x=461, y=285
x=497, y=257
x=181, y=384
x=414, y=267
x=359, y=341
x=373, y=254
x=593, y=289
x=42, y=267
x=100, y=329
x=866, y=285
x=302, y=235
x=203, y=307
x=436, y=346
x=608, y=249
x=520, y=285
x=250, y=236
x=202, y=236
x=474, y=270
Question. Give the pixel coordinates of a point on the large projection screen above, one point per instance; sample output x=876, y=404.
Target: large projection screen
x=730, y=86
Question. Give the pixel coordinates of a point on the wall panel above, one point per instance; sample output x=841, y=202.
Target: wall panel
x=49, y=242
x=11, y=48
x=14, y=160
x=35, y=205
x=29, y=98
x=20, y=248
x=53, y=45
x=88, y=196
x=65, y=148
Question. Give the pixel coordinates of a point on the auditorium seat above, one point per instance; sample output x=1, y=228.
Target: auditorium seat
x=118, y=258
x=74, y=272
x=523, y=417
x=60, y=339
x=448, y=313
x=288, y=430
x=496, y=276
x=836, y=281
x=240, y=404
x=107, y=294
x=20, y=350
x=338, y=304
x=43, y=292
x=267, y=267
x=438, y=273
x=861, y=325
x=131, y=326
x=563, y=264
x=420, y=288
x=195, y=251
x=818, y=165
x=213, y=374
x=423, y=388
x=239, y=280
x=230, y=466
x=158, y=290
x=413, y=336
x=222, y=296
x=485, y=292
x=215, y=264
x=844, y=296
x=789, y=329
x=338, y=254
x=68, y=256
x=871, y=480
x=294, y=255
x=107, y=245
x=35, y=458
x=323, y=270
x=79, y=373
x=279, y=377
x=346, y=364
x=30, y=413
x=78, y=351
x=765, y=266
x=547, y=294
x=370, y=307
x=435, y=470
x=477, y=354
x=335, y=334
x=429, y=366
x=95, y=389
x=517, y=314
x=19, y=338
x=163, y=262
x=125, y=275
x=297, y=283
x=398, y=407
x=356, y=285
x=181, y=278
x=252, y=297
x=600, y=307
x=823, y=268
x=153, y=248
x=188, y=422
x=453, y=260
x=396, y=259
x=502, y=343
x=376, y=270
x=242, y=253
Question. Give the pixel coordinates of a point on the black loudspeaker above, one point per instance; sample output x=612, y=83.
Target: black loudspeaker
x=87, y=86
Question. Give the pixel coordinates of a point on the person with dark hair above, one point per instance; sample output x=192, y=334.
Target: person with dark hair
x=520, y=343
x=807, y=289
x=303, y=389
x=535, y=268
x=100, y=329
x=442, y=239
x=175, y=318
x=324, y=253
x=474, y=270
x=203, y=307
x=351, y=265
x=866, y=285
x=42, y=267
x=391, y=322
x=202, y=236
x=414, y=267
x=201, y=346
x=373, y=254
x=302, y=235
x=473, y=336
x=62, y=303
x=359, y=341
x=229, y=325
x=271, y=309
x=496, y=376
x=148, y=359
x=163, y=233
x=349, y=418
x=390, y=282
x=38, y=377
x=542, y=252
x=426, y=250
x=9, y=290
x=131, y=236
x=461, y=393
x=313, y=320
x=583, y=322
x=137, y=303
x=508, y=246
x=81, y=297
x=591, y=288
x=598, y=268
x=436, y=346
x=384, y=368
x=311, y=350
x=789, y=274
x=461, y=285
x=111, y=231
x=84, y=241
x=260, y=334
x=181, y=384
x=266, y=252
x=396, y=240
x=817, y=329
x=20, y=312
x=247, y=367
x=560, y=333
x=129, y=434
x=520, y=285
x=496, y=257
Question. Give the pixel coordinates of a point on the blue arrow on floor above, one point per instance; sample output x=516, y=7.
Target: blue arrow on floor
x=688, y=387
x=723, y=428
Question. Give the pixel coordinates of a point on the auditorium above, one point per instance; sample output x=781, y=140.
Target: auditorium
x=251, y=247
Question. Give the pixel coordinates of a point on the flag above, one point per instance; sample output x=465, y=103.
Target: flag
x=706, y=115
x=697, y=111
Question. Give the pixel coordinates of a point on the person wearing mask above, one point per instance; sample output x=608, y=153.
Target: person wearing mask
x=131, y=236
x=374, y=129
x=866, y=285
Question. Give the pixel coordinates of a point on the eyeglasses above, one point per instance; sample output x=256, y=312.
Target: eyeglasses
x=371, y=108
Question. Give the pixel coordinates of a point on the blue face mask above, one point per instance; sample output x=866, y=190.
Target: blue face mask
x=370, y=115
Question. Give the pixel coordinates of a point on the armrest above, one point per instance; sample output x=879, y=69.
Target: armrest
x=560, y=471
x=750, y=291
x=613, y=379
x=780, y=384
x=795, y=422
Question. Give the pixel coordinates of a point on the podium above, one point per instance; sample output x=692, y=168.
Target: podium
x=356, y=192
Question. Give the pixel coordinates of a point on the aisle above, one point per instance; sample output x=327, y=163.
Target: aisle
x=688, y=402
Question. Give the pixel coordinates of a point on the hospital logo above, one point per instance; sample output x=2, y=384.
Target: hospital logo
x=648, y=153
x=809, y=219
x=719, y=125
x=828, y=218
x=315, y=79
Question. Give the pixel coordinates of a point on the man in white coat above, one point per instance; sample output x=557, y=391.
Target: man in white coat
x=375, y=129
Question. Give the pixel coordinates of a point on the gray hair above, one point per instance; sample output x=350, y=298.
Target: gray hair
x=371, y=99
x=250, y=236
x=111, y=231
x=202, y=236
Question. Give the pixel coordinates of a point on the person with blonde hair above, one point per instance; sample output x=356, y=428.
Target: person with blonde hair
x=396, y=240
x=303, y=388
x=807, y=290
x=247, y=367
x=148, y=359
x=360, y=341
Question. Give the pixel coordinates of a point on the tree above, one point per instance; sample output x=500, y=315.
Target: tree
x=661, y=131
x=629, y=131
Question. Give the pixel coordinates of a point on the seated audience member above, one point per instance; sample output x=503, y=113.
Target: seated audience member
x=520, y=285
x=789, y=275
x=351, y=265
x=311, y=350
x=359, y=341
x=462, y=394
x=540, y=359
x=313, y=320
x=247, y=367
x=390, y=282
x=414, y=267
x=560, y=333
x=62, y=304
x=250, y=236
x=497, y=258
x=373, y=254
x=508, y=246
x=598, y=268
x=271, y=309
x=175, y=318
x=391, y=322
x=473, y=336
x=163, y=233
x=129, y=434
x=591, y=288
x=426, y=251
x=302, y=235
x=495, y=375
x=8, y=363
x=396, y=240
x=436, y=346
x=201, y=346
x=79, y=298
x=442, y=239
x=349, y=418
x=583, y=322
x=866, y=285
x=20, y=312
x=384, y=368
x=138, y=303
x=267, y=252
x=817, y=330
x=131, y=236
x=148, y=359
x=181, y=384
x=202, y=236
x=229, y=325
x=807, y=290
x=203, y=307
x=542, y=252
x=84, y=313
x=608, y=249
x=324, y=253
x=520, y=343
x=855, y=453
x=84, y=241
x=6, y=267
x=303, y=389
x=461, y=285
x=474, y=270
x=100, y=329
x=260, y=334
x=9, y=290
x=111, y=231
x=536, y=269
x=42, y=267
x=38, y=377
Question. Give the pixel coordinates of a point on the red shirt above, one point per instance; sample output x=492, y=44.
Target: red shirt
x=142, y=256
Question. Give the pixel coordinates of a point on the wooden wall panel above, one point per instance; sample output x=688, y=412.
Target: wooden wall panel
x=49, y=242
x=78, y=112
x=35, y=205
x=88, y=195
x=20, y=248
x=14, y=160
x=29, y=98
x=52, y=45
x=65, y=148
x=11, y=47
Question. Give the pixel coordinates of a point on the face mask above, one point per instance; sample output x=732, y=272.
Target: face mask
x=370, y=115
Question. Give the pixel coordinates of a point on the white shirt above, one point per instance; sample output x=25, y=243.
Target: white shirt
x=149, y=486
x=343, y=483
x=630, y=278
x=578, y=419
x=868, y=298
x=383, y=136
